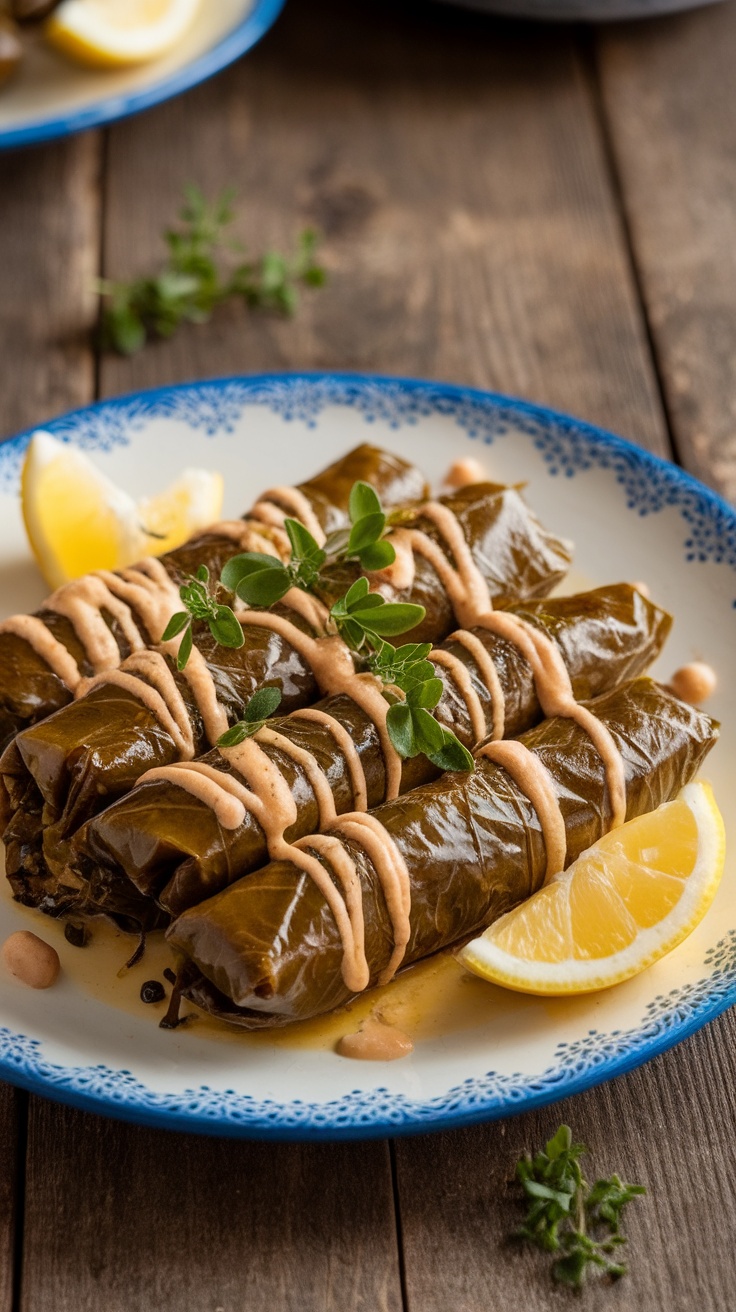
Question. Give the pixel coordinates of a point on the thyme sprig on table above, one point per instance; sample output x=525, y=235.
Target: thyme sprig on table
x=195, y=278
x=568, y=1217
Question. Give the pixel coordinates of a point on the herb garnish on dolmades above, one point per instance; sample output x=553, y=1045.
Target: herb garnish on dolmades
x=363, y=619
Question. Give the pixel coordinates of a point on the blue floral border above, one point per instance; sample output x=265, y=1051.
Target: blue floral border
x=369, y=1114
x=567, y=446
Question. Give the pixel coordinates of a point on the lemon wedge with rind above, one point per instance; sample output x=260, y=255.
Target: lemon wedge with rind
x=118, y=33
x=626, y=902
x=78, y=520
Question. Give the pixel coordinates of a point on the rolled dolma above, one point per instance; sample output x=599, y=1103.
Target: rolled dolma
x=428, y=869
x=58, y=774
x=170, y=845
x=43, y=656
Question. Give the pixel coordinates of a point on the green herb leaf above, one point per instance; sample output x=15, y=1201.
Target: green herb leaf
x=365, y=533
x=355, y=594
x=452, y=755
x=185, y=649
x=392, y=618
x=363, y=501
x=226, y=628
x=377, y=555
x=248, y=562
x=266, y=586
x=400, y=725
x=175, y=625
x=426, y=693
x=303, y=545
x=262, y=704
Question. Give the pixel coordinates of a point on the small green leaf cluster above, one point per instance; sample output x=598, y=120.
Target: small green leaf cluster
x=261, y=705
x=363, y=617
x=568, y=1217
x=412, y=730
x=261, y=579
x=193, y=281
x=200, y=604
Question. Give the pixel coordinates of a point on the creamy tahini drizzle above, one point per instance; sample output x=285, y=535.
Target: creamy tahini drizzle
x=148, y=677
x=346, y=745
x=295, y=501
x=533, y=779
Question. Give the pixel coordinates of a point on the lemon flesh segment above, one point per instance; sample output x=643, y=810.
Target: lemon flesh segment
x=624, y=904
x=78, y=520
x=117, y=33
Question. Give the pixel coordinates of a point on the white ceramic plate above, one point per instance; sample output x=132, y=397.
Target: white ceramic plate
x=632, y=517
x=52, y=97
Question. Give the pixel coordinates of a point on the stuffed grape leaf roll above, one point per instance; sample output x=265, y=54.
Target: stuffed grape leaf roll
x=284, y=944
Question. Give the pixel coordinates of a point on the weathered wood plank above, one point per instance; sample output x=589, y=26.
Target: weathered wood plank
x=13, y=1108
x=669, y=1126
x=456, y=171
x=49, y=225
x=668, y=92
x=49, y=219
x=128, y=1219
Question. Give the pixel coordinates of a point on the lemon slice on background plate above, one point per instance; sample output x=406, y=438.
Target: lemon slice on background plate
x=77, y=519
x=116, y=33
x=626, y=901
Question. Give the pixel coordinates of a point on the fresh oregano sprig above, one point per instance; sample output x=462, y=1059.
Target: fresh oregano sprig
x=261, y=705
x=200, y=604
x=568, y=1217
x=261, y=579
x=195, y=279
x=412, y=729
x=363, y=619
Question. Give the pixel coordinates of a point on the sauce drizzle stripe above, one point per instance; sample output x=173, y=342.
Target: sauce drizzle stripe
x=461, y=678
x=533, y=779
x=348, y=749
x=490, y=676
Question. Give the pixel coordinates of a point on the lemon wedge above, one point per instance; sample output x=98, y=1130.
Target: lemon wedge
x=116, y=33
x=77, y=519
x=622, y=905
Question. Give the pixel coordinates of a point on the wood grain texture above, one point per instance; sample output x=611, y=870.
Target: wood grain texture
x=50, y=222
x=49, y=240
x=130, y=1220
x=13, y=1107
x=455, y=167
x=668, y=1126
x=668, y=89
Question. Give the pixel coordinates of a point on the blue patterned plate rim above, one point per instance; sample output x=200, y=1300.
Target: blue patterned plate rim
x=113, y=108
x=566, y=444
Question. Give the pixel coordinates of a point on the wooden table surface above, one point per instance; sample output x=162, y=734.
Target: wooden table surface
x=548, y=212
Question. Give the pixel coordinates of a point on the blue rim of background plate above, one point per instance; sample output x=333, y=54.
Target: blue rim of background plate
x=113, y=108
x=567, y=445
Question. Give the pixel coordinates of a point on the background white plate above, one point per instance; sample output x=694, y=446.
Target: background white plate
x=631, y=517
x=52, y=97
